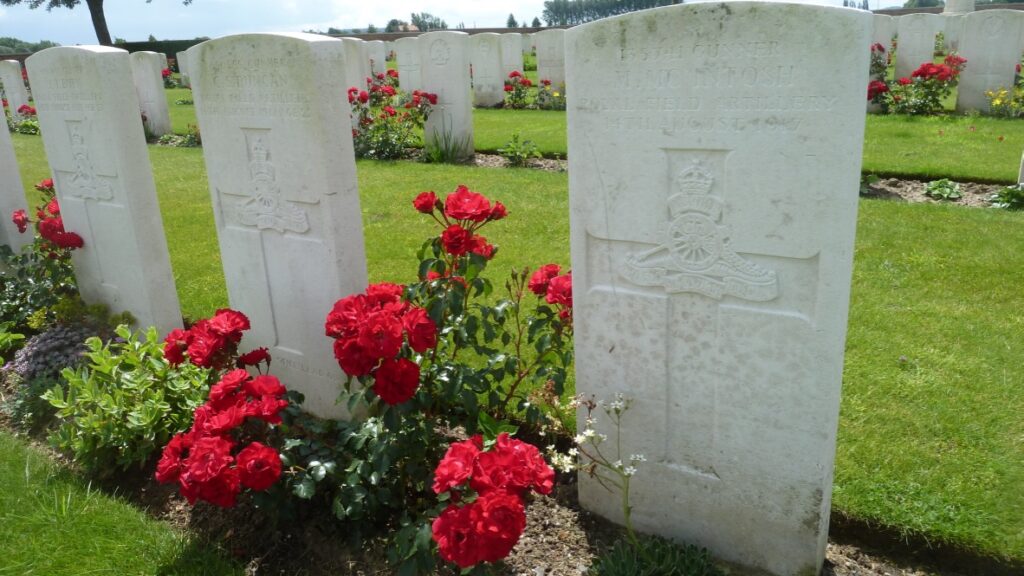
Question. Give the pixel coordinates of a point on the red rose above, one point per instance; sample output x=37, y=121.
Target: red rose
x=515, y=74
x=380, y=335
x=432, y=98
x=265, y=385
x=174, y=346
x=45, y=185
x=560, y=290
x=478, y=245
x=364, y=96
x=229, y=323
x=255, y=357
x=526, y=82
x=172, y=461
x=204, y=345
x=259, y=466
x=225, y=420
x=222, y=393
x=456, y=240
x=456, y=466
x=352, y=358
x=463, y=204
x=876, y=87
x=512, y=465
x=383, y=293
x=267, y=408
x=421, y=330
x=498, y=212
x=392, y=73
x=499, y=519
x=539, y=280
x=20, y=219
x=345, y=317
x=53, y=207
x=905, y=81
x=209, y=456
x=425, y=202
x=395, y=381
x=456, y=539
x=68, y=240
x=221, y=490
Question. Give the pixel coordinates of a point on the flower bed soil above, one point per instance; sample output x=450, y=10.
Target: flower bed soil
x=973, y=194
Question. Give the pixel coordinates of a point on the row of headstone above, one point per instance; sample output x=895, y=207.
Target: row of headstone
x=147, y=69
x=13, y=85
x=992, y=41
x=712, y=234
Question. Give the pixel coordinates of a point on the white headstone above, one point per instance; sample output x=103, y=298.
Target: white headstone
x=286, y=203
x=358, y=63
x=953, y=31
x=13, y=84
x=485, y=58
x=511, y=54
x=378, y=56
x=1020, y=172
x=182, y=59
x=12, y=195
x=527, y=44
x=407, y=56
x=163, y=61
x=884, y=31
x=712, y=243
x=551, y=56
x=958, y=7
x=149, y=85
x=991, y=43
x=189, y=61
x=92, y=132
x=444, y=63
x=916, y=43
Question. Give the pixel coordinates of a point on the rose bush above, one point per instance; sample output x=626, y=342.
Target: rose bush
x=385, y=120
x=517, y=89
x=923, y=91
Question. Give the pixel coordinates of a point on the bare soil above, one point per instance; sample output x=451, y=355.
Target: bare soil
x=973, y=194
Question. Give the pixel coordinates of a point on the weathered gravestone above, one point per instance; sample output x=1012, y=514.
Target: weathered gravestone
x=884, y=30
x=163, y=61
x=378, y=56
x=14, y=85
x=511, y=54
x=12, y=195
x=712, y=227
x=357, y=67
x=282, y=177
x=181, y=59
x=528, y=43
x=551, y=56
x=485, y=59
x=991, y=43
x=149, y=86
x=953, y=30
x=444, y=63
x=92, y=132
x=916, y=33
x=407, y=55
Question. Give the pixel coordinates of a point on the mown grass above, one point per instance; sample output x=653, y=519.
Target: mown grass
x=54, y=523
x=930, y=434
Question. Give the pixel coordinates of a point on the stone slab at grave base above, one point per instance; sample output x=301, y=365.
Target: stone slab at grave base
x=712, y=238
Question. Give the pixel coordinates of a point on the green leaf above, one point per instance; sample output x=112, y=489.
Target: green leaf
x=305, y=489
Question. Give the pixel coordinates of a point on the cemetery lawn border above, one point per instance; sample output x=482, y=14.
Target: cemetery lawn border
x=53, y=522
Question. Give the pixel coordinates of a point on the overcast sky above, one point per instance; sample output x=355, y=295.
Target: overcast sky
x=169, y=20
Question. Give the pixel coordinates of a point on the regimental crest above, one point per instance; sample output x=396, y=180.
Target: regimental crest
x=695, y=254
x=84, y=181
x=265, y=208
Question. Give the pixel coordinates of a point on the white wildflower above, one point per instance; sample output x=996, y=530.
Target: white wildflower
x=629, y=471
x=638, y=458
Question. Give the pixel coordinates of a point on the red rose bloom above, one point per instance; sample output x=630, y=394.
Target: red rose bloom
x=425, y=202
x=204, y=345
x=268, y=409
x=381, y=335
x=539, y=280
x=456, y=240
x=876, y=87
x=364, y=96
x=499, y=519
x=255, y=357
x=383, y=293
x=421, y=330
x=172, y=461
x=498, y=212
x=175, y=345
x=478, y=245
x=455, y=537
x=209, y=456
x=464, y=204
x=53, y=207
x=68, y=240
x=20, y=219
x=905, y=81
x=515, y=74
x=259, y=466
x=229, y=323
x=222, y=393
x=456, y=466
x=393, y=73
x=560, y=290
x=508, y=87
x=265, y=385
x=345, y=316
x=352, y=358
x=395, y=381
x=46, y=184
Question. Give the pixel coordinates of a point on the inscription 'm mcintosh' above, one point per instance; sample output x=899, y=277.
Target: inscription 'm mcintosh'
x=266, y=209
x=696, y=255
x=84, y=181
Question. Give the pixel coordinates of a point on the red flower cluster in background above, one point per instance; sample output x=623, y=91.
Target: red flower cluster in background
x=876, y=88
x=26, y=110
x=213, y=343
x=555, y=287
x=462, y=214
x=370, y=332
x=487, y=529
x=165, y=73
x=49, y=225
x=206, y=462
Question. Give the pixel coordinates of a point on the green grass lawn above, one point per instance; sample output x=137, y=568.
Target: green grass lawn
x=55, y=524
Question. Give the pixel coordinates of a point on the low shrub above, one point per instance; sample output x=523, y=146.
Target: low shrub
x=519, y=153
x=1010, y=198
x=550, y=97
x=944, y=189
x=385, y=120
x=517, y=90
x=655, y=557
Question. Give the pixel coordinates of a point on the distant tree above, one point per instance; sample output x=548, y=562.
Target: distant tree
x=573, y=12
x=15, y=46
x=460, y=26
x=426, y=22
x=536, y=21
x=333, y=30
x=99, y=20
x=394, y=25
x=511, y=22
x=522, y=24
x=151, y=38
x=923, y=3
x=371, y=29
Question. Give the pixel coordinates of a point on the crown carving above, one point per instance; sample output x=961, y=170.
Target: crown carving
x=695, y=180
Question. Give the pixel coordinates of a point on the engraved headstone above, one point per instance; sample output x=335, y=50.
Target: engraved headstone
x=444, y=63
x=712, y=241
x=407, y=56
x=916, y=33
x=485, y=58
x=13, y=84
x=163, y=61
x=12, y=195
x=511, y=54
x=952, y=31
x=551, y=56
x=884, y=31
x=378, y=54
x=149, y=85
x=286, y=203
x=991, y=43
x=92, y=132
x=182, y=60
x=357, y=67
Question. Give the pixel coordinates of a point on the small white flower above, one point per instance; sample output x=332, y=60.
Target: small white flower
x=629, y=471
x=638, y=458
x=617, y=465
x=589, y=433
x=580, y=439
x=602, y=437
x=573, y=452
